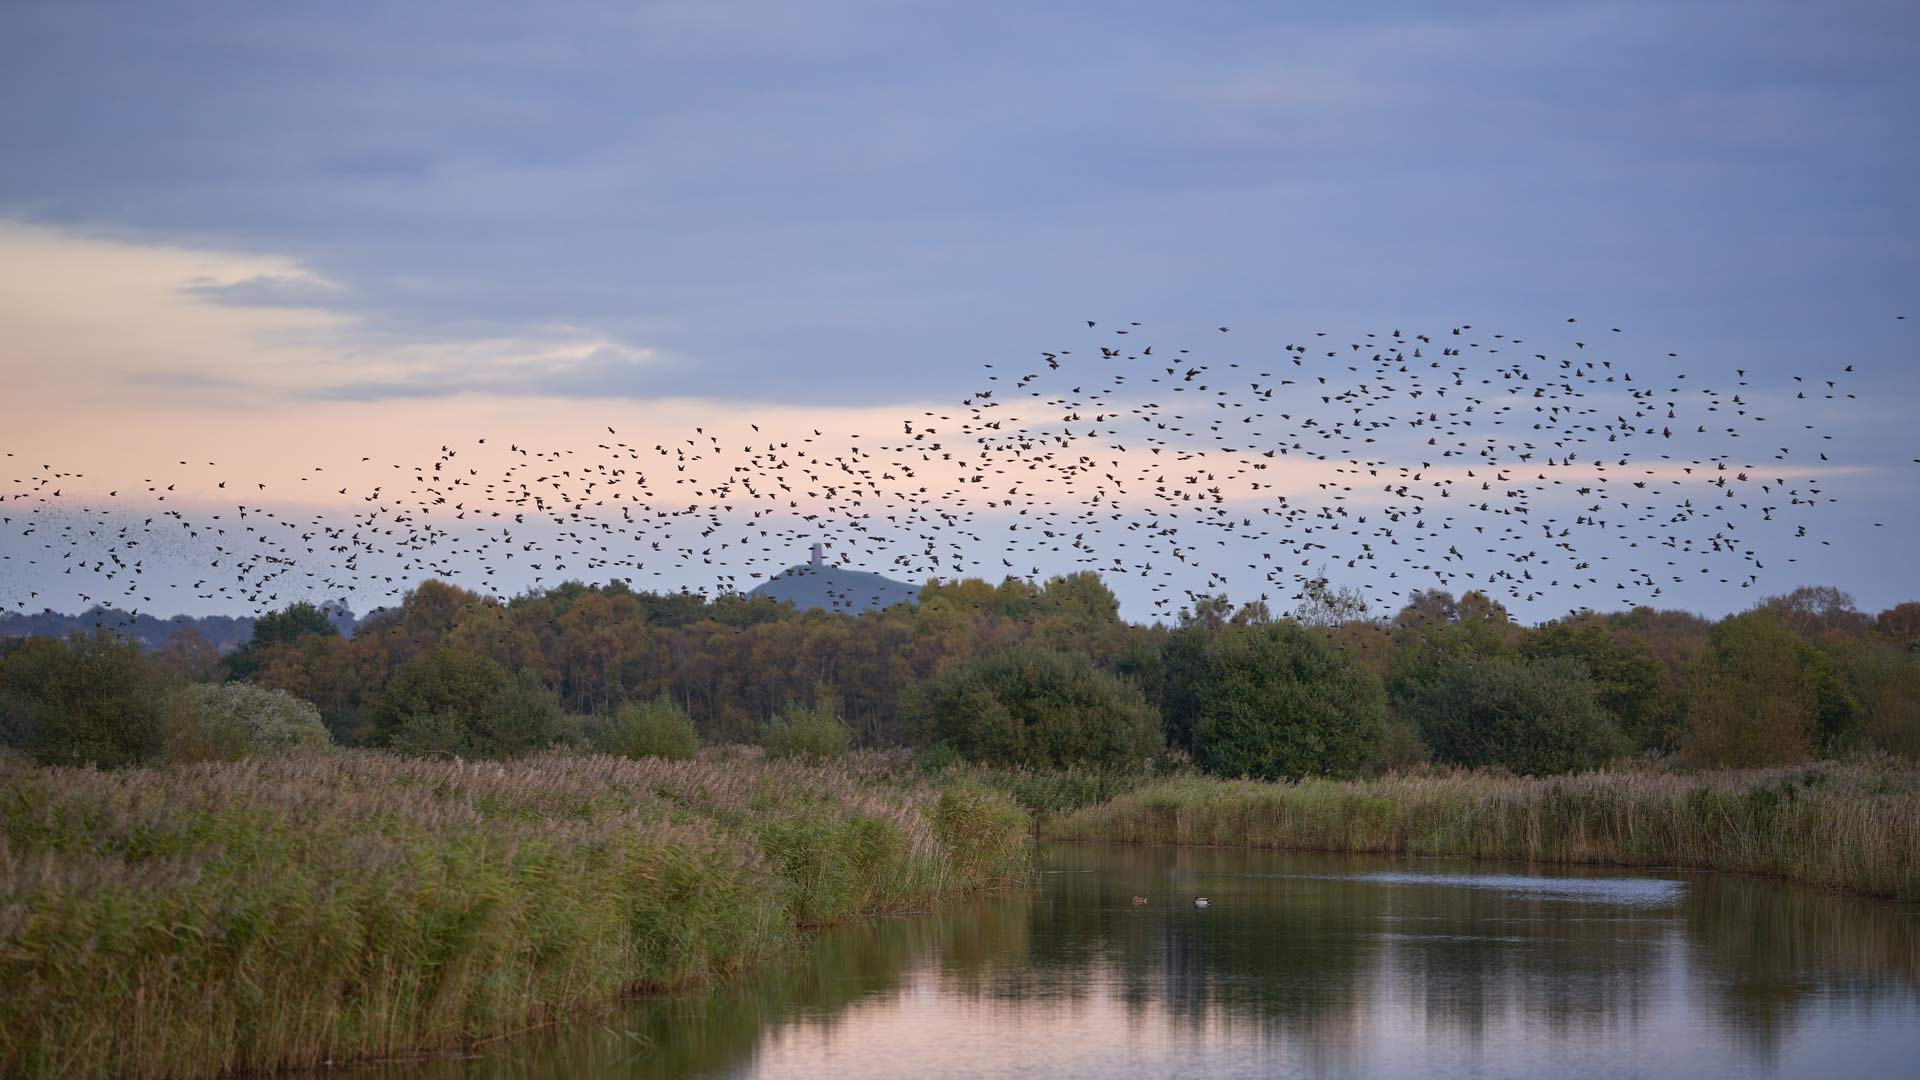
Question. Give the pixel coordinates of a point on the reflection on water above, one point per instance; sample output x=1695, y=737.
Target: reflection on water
x=1631, y=891
x=1303, y=965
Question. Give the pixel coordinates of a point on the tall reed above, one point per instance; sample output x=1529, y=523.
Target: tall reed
x=336, y=906
x=1853, y=826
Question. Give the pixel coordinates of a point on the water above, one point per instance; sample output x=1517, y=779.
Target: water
x=1304, y=965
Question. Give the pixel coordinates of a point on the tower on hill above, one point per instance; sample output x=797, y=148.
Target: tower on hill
x=819, y=584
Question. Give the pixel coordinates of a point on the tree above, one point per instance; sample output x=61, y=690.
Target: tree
x=285, y=627
x=1760, y=695
x=1038, y=708
x=188, y=654
x=1884, y=678
x=92, y=699
x=1815, y=611
x=459, y=703
x=1900, y=624
x=1531, y=716
x=1272, y=700
x=1626, y=677
x=1322, y=604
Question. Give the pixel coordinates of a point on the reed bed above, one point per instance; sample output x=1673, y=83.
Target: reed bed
x=1850, y=826
x=288, y=912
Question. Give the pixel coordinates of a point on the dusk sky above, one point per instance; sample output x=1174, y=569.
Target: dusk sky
x=295, y=235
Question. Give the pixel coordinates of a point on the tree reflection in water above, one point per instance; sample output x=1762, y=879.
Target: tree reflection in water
x=1335, y=962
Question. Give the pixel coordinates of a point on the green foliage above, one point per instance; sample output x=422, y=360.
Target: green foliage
x=1038, y=708
x=285, y=627
x=206, y=722
x=93, y=699
x=1272, y=699
x=1885, y=679
x=657, y=728
x=1531, y=716
x=1626, y=678
x=731, y=661
x=806, y=732
x=1760, y=695
x=460, y=704
x=291, y=624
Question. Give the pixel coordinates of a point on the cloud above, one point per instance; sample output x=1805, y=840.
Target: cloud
x=95, y=319
x=515, y=368
x=286, y=290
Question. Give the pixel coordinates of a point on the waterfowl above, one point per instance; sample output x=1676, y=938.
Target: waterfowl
x=1202, y=901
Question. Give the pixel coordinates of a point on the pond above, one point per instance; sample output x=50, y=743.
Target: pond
x=1300, y=965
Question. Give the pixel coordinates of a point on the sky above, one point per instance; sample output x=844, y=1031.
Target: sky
x=273, y=233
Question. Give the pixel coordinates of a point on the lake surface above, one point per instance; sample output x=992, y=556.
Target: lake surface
x=1304, y=965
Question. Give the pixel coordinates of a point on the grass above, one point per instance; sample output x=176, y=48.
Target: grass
x=1849, y=826
x=338, y=906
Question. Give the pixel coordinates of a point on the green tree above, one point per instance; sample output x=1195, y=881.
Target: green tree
x=449, y=701
x=92, y=699
x=1761, y=695
x=1626, y=678
x=1531, y=716
x=1039, y=708
x=285, y=627
x=1272, y=700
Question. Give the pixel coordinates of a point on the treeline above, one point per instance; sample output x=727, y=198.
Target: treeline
x=1019, y=674
x=221, y=631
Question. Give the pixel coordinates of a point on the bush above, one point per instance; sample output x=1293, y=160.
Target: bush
x=806, y=732
x=1531, y=716
x=89, y=700
x=461, y=704
x=1273, y=700
x=1038, y=708
x=658, y=728
x=224, y=723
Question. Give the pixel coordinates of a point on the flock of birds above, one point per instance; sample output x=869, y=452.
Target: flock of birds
x=1388, y=463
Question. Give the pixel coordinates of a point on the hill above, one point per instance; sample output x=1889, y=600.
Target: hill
x=834, y=588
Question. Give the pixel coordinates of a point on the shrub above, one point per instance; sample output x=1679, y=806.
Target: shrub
x=222, y=723
x=1274, y=699
x=1038, y=708
x=658, y=728
x=1531, y=716
x=89, y=700
x=805, y=732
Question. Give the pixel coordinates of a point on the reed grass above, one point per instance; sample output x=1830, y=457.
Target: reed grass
x=287, y=912
x=1851, y=826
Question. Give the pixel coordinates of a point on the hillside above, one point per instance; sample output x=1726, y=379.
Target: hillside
x=833, y=588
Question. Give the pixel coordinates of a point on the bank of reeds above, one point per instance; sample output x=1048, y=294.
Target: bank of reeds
x=336, y=906
x=1850, y=826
